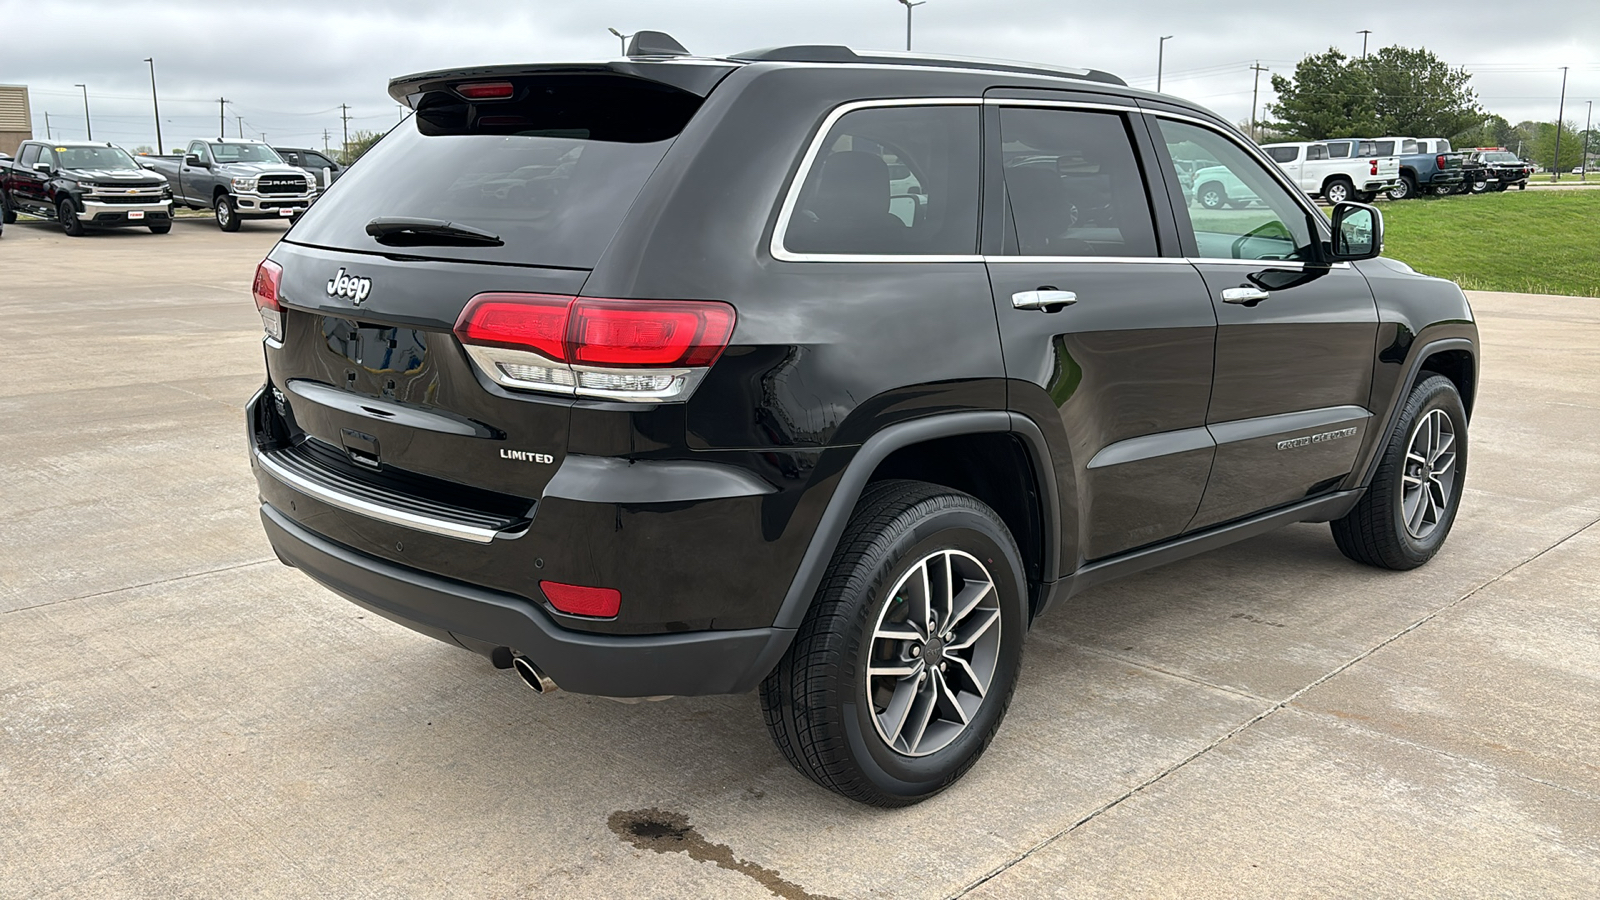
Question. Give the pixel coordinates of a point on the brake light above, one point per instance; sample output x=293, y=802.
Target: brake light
x=486, y=90
x=1440, y=160
x=578, y=600
x=653, y=350
x=269, y=275
x=1374, y=167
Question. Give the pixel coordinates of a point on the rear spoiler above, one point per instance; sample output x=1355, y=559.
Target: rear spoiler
x=694, y=75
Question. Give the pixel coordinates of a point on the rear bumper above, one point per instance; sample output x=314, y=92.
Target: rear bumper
x=691, y=663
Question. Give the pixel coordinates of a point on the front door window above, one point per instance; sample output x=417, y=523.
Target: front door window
x=1237, y=210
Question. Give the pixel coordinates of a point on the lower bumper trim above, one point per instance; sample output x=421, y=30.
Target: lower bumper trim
x=689, y=663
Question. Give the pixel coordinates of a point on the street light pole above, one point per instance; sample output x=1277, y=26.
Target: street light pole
x=1364, y=32
x=1588, y=120
x=1161, y=58
x=155, y=102
x=1561, y=114
x=621, y=37
x=86, y=126
x=1255, y=92
x=908, y=5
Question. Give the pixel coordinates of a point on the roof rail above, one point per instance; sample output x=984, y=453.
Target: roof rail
x=835, y=53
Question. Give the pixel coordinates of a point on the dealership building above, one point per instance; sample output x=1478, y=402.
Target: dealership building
x=16, y=119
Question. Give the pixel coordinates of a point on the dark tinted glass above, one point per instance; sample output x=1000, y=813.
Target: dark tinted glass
x=896, y=180
x=551, y=171
x=1284, y=154
x=1074, y=185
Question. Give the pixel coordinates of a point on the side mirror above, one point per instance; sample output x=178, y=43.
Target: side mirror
x=42, y=167
x=193, y=160
x=1357, y=232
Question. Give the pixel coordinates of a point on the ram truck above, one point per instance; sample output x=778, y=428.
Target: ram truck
x=82, y=185
x=236, y=180
x=1336, y=171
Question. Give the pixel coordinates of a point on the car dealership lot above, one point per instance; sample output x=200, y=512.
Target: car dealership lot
x=180, y=715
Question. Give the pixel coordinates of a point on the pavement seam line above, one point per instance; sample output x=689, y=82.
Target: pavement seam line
x=134, y=587
x=1261, y=716
x=1149, y=667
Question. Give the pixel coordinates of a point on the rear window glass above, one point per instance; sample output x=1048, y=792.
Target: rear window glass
x=231, y=153
x=551, y=171
x=892, y=180
x=1284, y=154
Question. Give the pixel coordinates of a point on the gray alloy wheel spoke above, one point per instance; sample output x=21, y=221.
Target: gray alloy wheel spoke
x=1427, y=482
x=933, y=654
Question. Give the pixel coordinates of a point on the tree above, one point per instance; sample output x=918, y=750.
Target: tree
x=359, y=144
x=1330, y=95
x=1494, y=131
x=1420, y=95
x=1542, y=149
x=143, y=150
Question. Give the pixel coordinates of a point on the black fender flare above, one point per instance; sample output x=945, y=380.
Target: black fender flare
x=830, y=528
x=1413, y=367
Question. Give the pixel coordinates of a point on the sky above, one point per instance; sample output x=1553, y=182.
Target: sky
x=285, y=67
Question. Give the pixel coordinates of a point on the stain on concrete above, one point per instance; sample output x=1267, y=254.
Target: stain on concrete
x=670, y=832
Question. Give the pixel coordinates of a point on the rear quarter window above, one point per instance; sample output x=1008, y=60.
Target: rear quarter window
x=900, y=180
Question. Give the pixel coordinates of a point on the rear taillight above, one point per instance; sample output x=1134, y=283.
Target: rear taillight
x=649, y=350
x=486, y=90
x=1374, y=167
x=269, y=275
x=601, y=603
x=1440, y=160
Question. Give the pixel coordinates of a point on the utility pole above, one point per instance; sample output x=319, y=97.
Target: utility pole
x=1364, y=32
x=1161, y=57
x=324, y=142
x=47, y=135
x=238, y=123
x=1588, y=120
x=1255, y=92
x=344, y=116
x=156, y=103
x=908, y=5
x=222, y=117
x=1561, y=113
x=90, y=128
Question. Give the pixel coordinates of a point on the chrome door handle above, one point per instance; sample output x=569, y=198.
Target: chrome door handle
x=1047, y=300
x=1247, y=296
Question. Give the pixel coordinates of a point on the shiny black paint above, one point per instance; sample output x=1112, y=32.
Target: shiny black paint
x=837, y=367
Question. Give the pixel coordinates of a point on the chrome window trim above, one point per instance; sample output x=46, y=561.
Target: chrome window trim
x=1139, y=260
x=372, y=510
x=791, y=197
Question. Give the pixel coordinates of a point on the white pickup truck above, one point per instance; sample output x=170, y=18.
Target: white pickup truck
x=1336, y=170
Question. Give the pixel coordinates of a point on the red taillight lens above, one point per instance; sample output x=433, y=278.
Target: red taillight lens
x=1440, y=160
x=268, y=276
x=1374, y=167
x=535, y=322
x=590, y=332
x=486, y=90
x=648, y=333
x=601, y=603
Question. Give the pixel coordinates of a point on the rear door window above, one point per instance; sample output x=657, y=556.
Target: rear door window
x=900, y=180
x=1073, y=185
x=550, y=171
x=1384, y=148
x=1284, y=154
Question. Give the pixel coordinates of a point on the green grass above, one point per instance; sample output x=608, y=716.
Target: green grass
x=1533, y=242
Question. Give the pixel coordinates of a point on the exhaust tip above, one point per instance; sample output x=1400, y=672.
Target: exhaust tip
x=531, y=675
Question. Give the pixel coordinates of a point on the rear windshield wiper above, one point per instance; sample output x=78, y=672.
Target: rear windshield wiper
x=405, y=231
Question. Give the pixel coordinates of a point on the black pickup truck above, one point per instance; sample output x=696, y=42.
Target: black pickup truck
x=83, y=185
x=1500, y=169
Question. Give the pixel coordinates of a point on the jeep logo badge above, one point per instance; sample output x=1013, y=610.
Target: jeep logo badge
x=354, y=287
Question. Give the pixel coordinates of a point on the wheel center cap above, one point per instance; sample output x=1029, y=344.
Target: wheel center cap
x=933, y=652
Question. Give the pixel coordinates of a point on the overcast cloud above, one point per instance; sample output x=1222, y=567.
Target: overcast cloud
x=286, y=65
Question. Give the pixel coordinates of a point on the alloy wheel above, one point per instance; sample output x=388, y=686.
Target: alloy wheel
x=933, y=653
x=1427, y=486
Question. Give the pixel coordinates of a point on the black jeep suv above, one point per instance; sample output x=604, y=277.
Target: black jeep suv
x=826, y=373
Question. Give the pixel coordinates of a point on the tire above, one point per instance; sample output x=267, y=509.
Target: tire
x=8, y=216
x=1404, y=189
x=161, y=229
x=1379, y=531
x=1444, y=190
x=1211, y=196
x=1338, y=191
x=1480, y=187
x=832, y=718
x=1366, y=196
x=1522, y=185
x=227, y=215
x=1501, y=187
x=67, y=215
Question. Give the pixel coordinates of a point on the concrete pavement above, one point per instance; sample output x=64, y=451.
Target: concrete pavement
x=181, y=716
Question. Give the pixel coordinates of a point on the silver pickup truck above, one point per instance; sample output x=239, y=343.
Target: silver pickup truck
x=237, y=179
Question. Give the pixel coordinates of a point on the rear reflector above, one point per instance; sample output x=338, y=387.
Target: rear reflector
x=486, y=90
x=601, y=603
x=269, y=275
x=649, y=350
